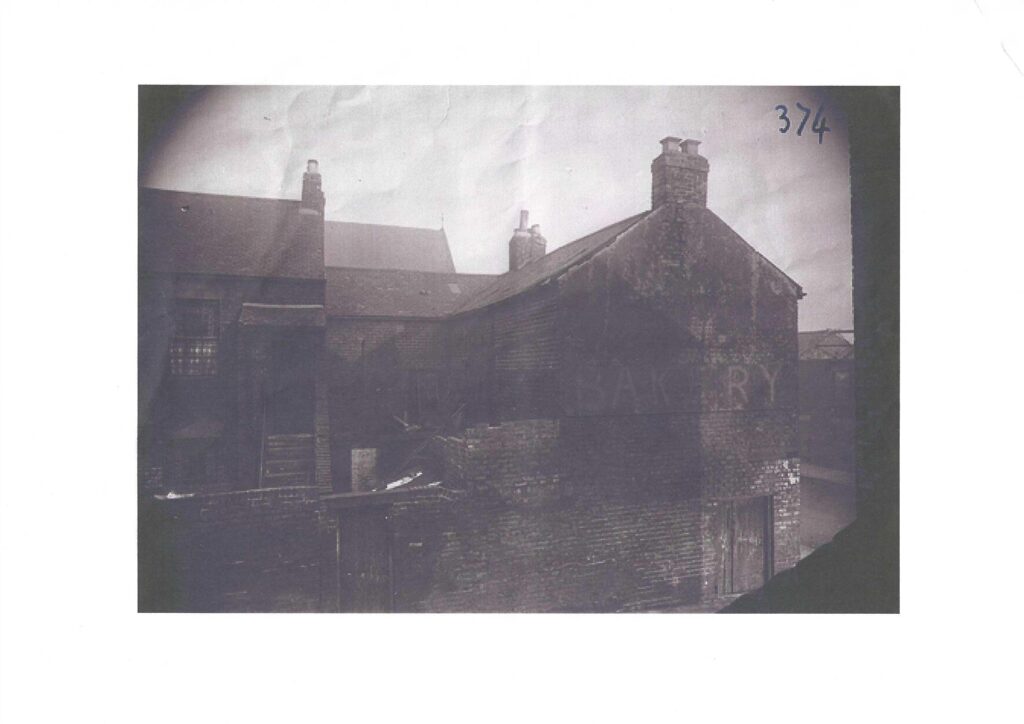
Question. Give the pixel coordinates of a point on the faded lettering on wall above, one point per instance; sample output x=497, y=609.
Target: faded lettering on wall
x=619, y=388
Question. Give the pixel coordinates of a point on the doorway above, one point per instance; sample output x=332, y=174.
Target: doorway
x=287, y=455
x=364, y=560
x=746, y=544
x=289, y=396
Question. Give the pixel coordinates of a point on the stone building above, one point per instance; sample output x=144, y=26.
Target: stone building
x=611, y=425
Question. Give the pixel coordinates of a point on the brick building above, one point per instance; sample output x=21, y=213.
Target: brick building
x=608, y=426
x=827, y=410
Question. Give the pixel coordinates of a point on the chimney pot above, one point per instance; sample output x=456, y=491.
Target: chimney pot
x=670, y=144
x=526, y=244
x=679, y=174
x=690, y=147
x=312, y=195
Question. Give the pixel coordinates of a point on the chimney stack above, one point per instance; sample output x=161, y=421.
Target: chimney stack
x=312, y=196
x=679, y=174
x=526, y=245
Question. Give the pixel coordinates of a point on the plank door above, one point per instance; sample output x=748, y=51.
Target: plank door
x=365, y=561
x=745, y=542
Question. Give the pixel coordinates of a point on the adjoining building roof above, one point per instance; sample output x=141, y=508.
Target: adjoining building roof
x=397, y=293
x=371, y=270
x=375, y=246
x=281, y=315
x=824, y=344
x=185, y=232
x=548, y=266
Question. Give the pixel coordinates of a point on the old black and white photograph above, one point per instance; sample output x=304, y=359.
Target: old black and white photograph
x=517, y=362
x=500, y=349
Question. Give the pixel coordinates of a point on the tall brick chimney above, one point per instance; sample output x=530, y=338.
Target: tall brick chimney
x=526, y=245
x=680, y=174
x=312, y=196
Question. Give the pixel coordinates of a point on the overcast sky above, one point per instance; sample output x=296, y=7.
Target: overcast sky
x=577, y=157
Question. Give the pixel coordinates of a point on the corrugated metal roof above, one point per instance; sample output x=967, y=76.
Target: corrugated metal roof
x=211, y=234
x=376, y=246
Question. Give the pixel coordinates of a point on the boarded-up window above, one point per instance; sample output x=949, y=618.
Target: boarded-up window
x=364, y=469
x=193, y=350
x=746, y=544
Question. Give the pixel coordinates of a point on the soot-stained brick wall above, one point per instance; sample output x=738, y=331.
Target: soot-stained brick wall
x=520, y=537
x=679, y=374
x=611, y=415
x=252, y=550
x=530, y=532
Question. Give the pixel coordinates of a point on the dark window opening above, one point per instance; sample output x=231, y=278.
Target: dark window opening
x=193, y=351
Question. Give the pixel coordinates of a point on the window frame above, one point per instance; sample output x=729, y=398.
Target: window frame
x=194, y=347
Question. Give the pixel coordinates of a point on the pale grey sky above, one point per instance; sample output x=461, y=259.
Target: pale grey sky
x=577, y=157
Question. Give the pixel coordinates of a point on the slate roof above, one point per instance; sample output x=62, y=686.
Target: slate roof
x=561, y=259
x=548, y=266
x=372, y=270
x=824, y=344
x=376, y=246
x=212, y=234
x=398, y=293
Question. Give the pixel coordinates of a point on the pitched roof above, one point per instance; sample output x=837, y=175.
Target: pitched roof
x=715, y=227
x=397, y=292
x=561, y=259
x=376, y=246
x=212, y=234
x=824, y=344
x=550, y=265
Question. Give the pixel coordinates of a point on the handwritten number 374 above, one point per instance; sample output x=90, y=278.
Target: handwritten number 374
x=819, y=125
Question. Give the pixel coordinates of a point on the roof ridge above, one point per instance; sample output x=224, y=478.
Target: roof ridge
x=390, y=226
x=275, y=198
x=334, y=267
x=219, y=196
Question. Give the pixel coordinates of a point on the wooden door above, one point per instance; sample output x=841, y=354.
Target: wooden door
x=365, y=561
x=746, y=542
